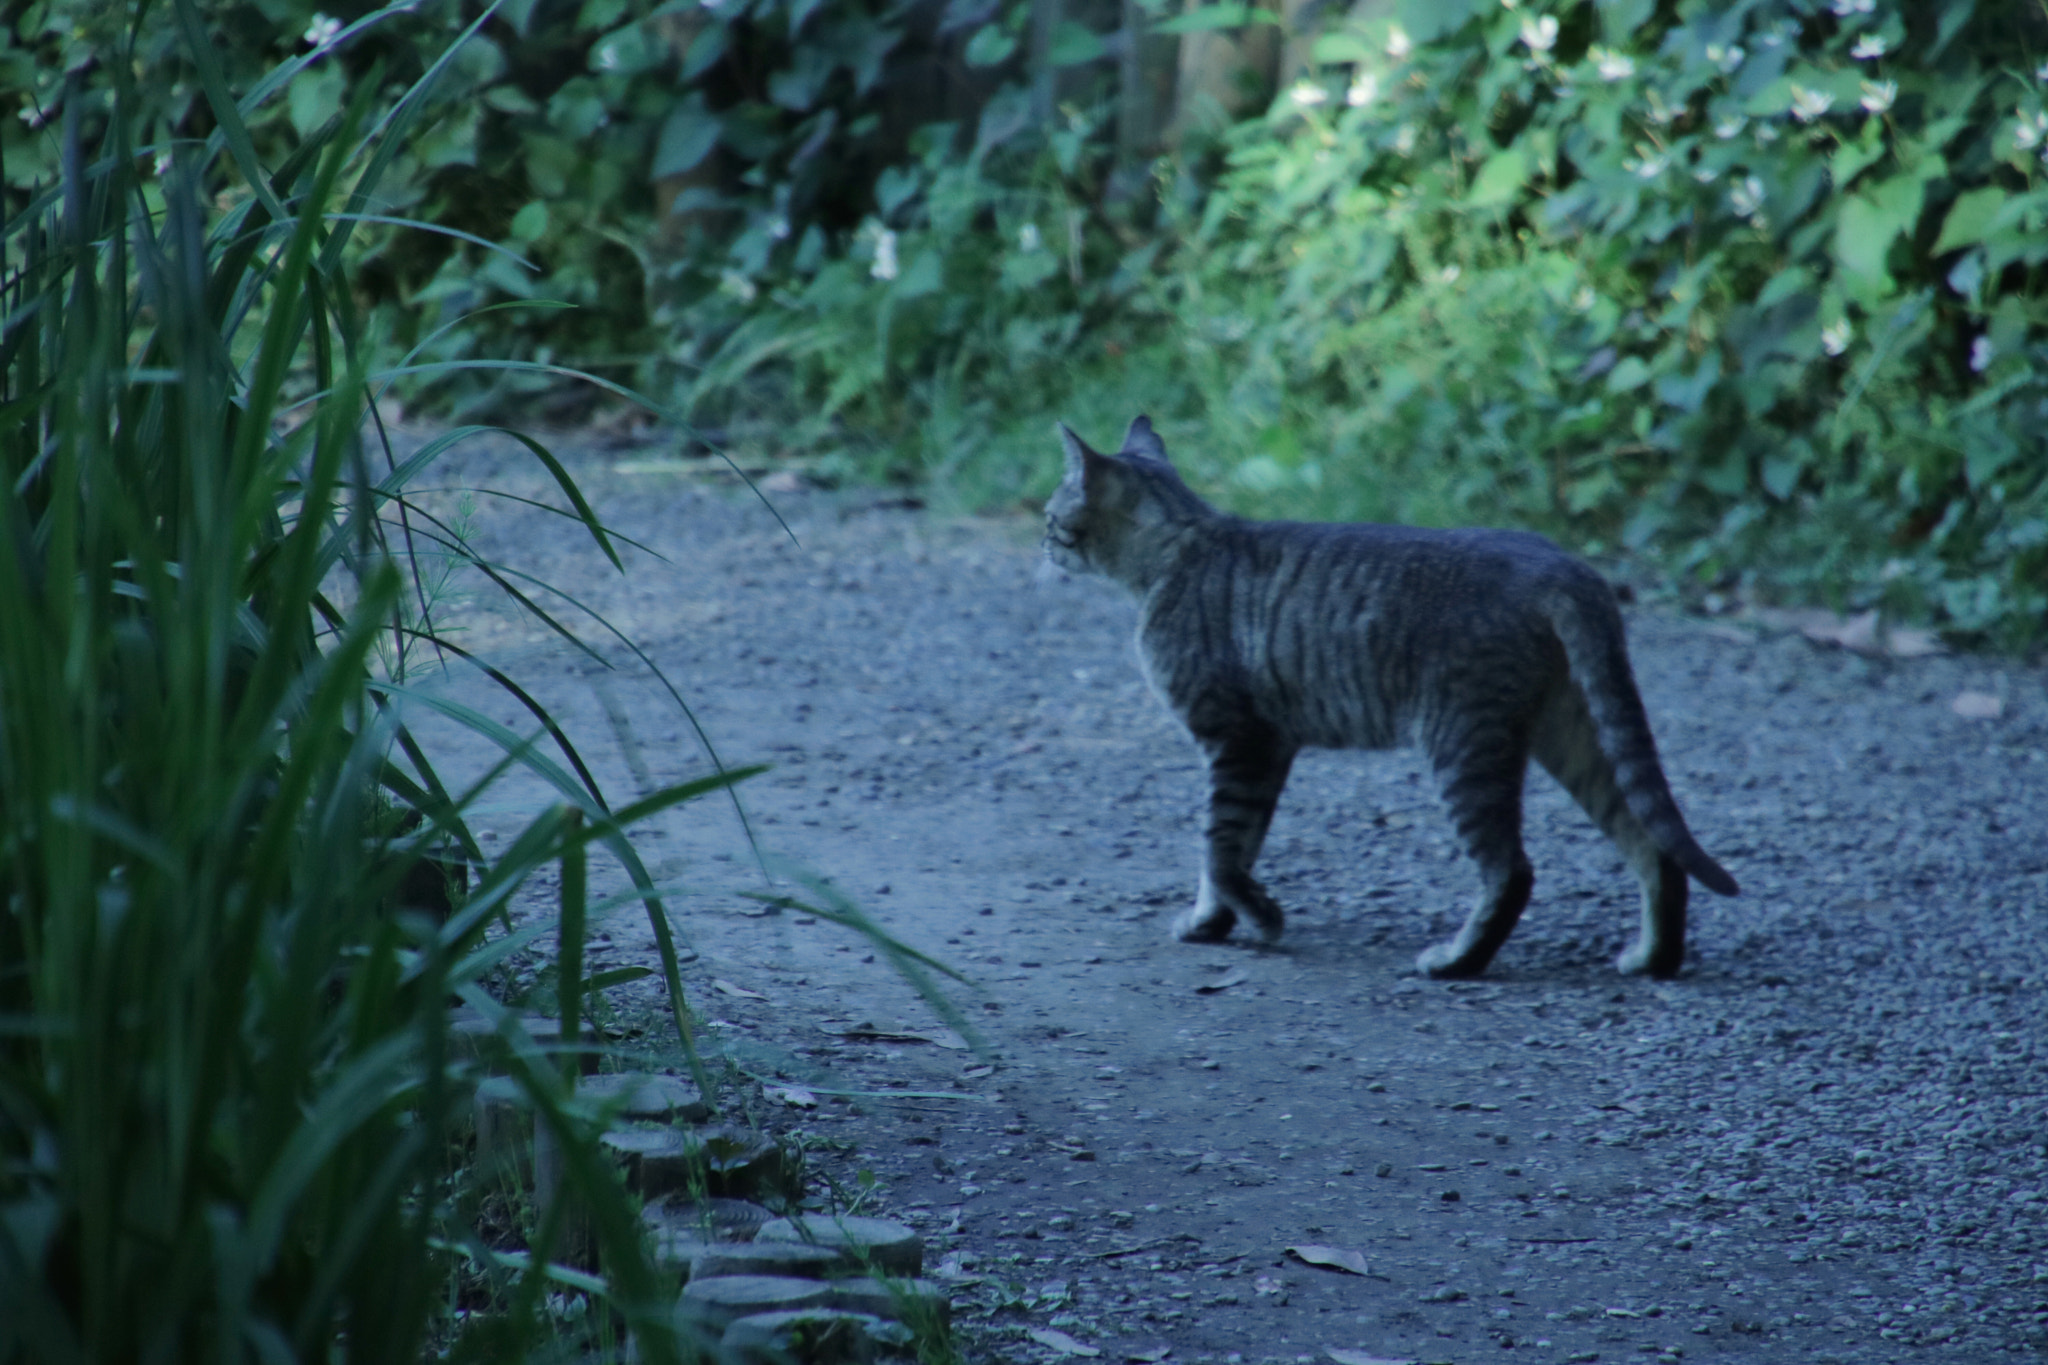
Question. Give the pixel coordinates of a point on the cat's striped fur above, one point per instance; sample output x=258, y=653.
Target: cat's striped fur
x=1482, y=648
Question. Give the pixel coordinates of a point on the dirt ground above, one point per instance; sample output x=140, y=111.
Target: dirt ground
x=1824, y=1141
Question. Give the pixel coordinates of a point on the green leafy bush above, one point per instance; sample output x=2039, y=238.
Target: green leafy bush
x=1757, y=283
x=618, y=156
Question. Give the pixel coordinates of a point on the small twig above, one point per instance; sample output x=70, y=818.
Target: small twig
x=1147, y=1246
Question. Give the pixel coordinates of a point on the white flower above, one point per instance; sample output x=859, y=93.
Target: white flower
x=1868, y=48
x=1727, y=58
x=1509, y=4
x=1746, y=196
x=1404, y=141
x=2032, y=130
x=1844, y=8
x=1878, y=95
x=1730, y=126
x=1364, y=90
x=1834, y=338
x=1540, y=34
x=1307, y=94
x=608, y=57
x=1585, y=298
x=1765, y=135
x=1706, y=175
x=1661, y=113
x=1808, y=105
x=884, y=267
x=1028, y=239
x=163, y=163
x=1982, y=353
x=1448, y=275
x=778, y=228
x=1650, y=167
x=738, y=285
x=1614, y=66
x=323, y=30
x=1398, y=43
x=34, y=115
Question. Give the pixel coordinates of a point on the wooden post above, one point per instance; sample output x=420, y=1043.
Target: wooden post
x=1146, y=72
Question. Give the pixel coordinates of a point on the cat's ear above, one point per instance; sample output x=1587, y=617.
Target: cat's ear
x=1078, y=452
x=1142, y=440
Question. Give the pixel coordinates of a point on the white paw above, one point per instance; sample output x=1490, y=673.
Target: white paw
x=1450, y=959
x=1641, y=959
x=1204, y=925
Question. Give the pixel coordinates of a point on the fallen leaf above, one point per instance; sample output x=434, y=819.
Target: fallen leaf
x=1908, y=642
x=1335, y=1258
x=724, y=987
x=1061, y=1342
x=862, y=1033
x=1236, y=976
x=1361, y=1358
x=975, y=1073
x=1266, y=1284
x=1863, y=633
x=794, y=1096
x=1151, y=1357
x=1977, y=706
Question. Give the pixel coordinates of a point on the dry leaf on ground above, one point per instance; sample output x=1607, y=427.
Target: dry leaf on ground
x=1061, y=1342
x=1236, y=976
x=1335, y=1258
x=794, y=1096
x=1361, y=1358
x=1863, y=633
x=724, y=987
x=1977, y=706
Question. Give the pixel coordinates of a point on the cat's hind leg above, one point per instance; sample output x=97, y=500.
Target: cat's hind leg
x=1568, y=748
x=1482, y=785
x=1247, y=770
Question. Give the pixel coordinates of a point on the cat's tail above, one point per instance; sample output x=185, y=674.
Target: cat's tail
x=1588, y=623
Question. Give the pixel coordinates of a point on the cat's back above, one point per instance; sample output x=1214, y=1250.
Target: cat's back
x=1344, y=632
x=1338, y=570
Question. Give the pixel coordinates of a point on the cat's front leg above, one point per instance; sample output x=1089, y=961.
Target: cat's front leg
x=1247, y=770
x=1208, y=920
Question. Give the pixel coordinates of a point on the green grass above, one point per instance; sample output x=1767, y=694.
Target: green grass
x=230, y=1112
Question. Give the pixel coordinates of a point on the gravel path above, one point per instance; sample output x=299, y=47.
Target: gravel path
x=1824, y=1141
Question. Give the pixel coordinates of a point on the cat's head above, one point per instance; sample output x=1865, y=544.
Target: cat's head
x=1115, y=514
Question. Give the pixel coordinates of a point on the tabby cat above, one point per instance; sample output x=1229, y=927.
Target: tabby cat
x=1482, y=648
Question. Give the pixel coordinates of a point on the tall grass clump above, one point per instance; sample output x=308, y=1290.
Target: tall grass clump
x=228, y=1095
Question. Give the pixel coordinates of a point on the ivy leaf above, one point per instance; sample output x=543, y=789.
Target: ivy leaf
x=1969, y=218
x=800, y=12
x=1854, y=158
x=686, y=139
x=894, y=187
x=530, y=224
x=1073, y=45
x=990, y=46
x=704, y=51
x=1331, y=48
x=1631, y=373
x=1499, y=182
x=1867, y=226
x=924, y=275
x=798, y=85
